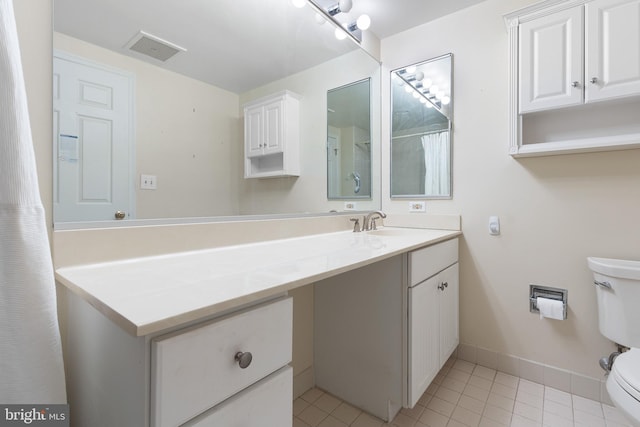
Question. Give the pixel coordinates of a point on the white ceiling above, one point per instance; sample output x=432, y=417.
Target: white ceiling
x=237, y=44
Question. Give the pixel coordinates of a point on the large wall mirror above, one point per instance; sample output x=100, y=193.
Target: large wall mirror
x=186, y=69
x=421, y=122
x=349, y=141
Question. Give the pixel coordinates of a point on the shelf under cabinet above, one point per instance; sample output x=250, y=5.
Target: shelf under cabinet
x=600, y=126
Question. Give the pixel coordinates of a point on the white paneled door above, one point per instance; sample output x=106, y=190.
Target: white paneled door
x=93, y=140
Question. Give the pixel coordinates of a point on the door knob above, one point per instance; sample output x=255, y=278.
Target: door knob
x=244, y=359
x=594, y=80
x=120, y=214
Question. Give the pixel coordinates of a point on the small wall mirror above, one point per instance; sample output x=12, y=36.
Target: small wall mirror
x=349, y=141
x=422, y=105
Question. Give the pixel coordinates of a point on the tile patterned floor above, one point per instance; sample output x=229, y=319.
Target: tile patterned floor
x=468, y=395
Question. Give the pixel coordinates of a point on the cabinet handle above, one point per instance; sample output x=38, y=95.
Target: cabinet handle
x=244, y=359
x=443, y=285
x=594, y=80
x=575, y=84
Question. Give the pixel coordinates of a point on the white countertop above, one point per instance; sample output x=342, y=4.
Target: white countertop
x=150, y=294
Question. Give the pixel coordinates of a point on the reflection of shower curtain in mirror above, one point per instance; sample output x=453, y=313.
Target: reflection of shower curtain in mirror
x=436, y=155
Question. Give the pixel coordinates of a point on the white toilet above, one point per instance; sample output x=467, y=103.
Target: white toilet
x=618, y=293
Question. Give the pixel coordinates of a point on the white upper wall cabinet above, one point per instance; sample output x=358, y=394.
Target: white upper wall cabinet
x=550, y=54
x=565, y=56
x=272, y=136
x=612, y=49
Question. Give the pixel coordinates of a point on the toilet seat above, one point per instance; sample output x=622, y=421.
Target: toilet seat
x=626, y=372
x=623, y=385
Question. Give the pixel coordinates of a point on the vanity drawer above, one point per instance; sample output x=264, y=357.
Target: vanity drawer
x=195, y=369
x=267, y=403
x=424, y=263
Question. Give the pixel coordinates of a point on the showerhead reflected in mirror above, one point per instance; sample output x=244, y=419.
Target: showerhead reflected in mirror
x=421, y=129
x=349, y=141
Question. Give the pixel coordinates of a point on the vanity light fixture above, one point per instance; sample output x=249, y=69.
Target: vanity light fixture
x=415, y=83
x=331, y=13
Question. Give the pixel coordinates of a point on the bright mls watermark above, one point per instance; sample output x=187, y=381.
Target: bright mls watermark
x=34, y=415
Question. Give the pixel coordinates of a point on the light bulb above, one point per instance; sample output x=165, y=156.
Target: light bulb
x=345, y=5
x=408, y=88
x=422, y=100
x=411, y=69
x=340, y=34
x=415, y=94
x=363, y=22
x=439, y=94
x=445, y=100
x=433, y=89
x=419, y=76
x=428, y=105
x=427, y=83
x=299, y=3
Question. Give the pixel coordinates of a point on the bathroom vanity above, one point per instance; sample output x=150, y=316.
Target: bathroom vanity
x=200, y=337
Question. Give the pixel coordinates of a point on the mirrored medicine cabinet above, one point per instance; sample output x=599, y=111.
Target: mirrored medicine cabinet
x=421, y=123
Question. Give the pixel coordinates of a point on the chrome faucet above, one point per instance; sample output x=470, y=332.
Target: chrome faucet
x=369, y=221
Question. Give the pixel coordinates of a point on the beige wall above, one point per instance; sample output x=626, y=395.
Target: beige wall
x=186, y=134
x=554, y=211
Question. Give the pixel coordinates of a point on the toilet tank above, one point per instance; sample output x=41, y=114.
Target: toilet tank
x=617, y=284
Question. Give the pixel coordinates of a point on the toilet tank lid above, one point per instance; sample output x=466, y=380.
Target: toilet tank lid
x=624, y=269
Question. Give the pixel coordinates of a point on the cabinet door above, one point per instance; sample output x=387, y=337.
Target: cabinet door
x=424, y=355
x=273, y=127
x=550, y=62
x=253, y=131
x=449, y=312
x=612, y=49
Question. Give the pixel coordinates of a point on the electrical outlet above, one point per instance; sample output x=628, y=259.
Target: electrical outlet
x=417, y=207
x=148, y=182
x=350, y=206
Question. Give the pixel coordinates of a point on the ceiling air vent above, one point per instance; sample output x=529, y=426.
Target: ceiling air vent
x=153, y=46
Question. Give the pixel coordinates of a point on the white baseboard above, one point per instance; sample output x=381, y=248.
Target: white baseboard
x=560, y=379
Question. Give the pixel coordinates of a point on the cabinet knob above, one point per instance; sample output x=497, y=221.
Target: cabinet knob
x=575, y=84
x=244, y=359
x=594, y=80
x=120, y=215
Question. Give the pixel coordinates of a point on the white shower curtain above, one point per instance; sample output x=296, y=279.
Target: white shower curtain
x=437, y=163
x=31, y=369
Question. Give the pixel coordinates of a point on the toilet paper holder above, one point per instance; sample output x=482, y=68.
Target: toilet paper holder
x=557, y=294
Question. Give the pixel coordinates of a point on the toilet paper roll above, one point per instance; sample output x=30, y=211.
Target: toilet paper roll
x=550, y=308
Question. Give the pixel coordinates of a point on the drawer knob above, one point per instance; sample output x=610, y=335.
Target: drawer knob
x=244, y=359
